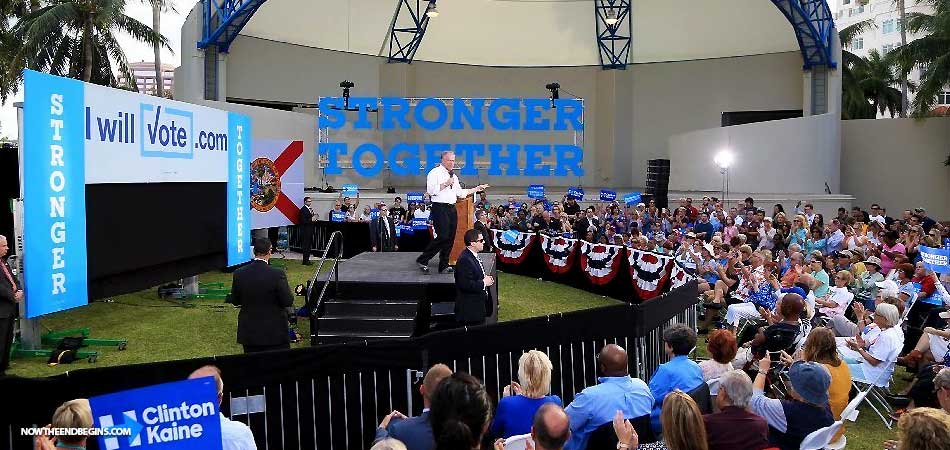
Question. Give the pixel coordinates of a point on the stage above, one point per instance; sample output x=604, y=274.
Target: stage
x=386, y=296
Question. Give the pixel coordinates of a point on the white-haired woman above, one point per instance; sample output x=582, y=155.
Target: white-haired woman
x=878, y=356
x=522, y=399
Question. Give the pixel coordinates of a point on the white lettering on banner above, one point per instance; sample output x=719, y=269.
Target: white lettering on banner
x=239, y=167
x=57, y=204
x=155, y=416
x=934, y=259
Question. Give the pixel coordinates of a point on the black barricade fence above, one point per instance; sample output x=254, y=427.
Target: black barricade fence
x=333, y=397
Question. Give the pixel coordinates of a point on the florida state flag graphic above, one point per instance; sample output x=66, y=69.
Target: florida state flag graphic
x=558, y=253
x=650, y=271
x=600, y=262
x=276, y=176
x=512, y=252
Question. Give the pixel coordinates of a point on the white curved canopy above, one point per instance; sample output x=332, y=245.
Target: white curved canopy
x=532, y=32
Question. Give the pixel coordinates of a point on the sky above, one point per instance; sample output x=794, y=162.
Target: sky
x=134, y=51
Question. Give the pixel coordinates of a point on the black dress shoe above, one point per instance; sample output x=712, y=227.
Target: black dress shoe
x=424, y=268
x=447, y=270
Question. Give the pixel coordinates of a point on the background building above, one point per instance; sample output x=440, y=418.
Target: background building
x=145, y=79
x=886, y=35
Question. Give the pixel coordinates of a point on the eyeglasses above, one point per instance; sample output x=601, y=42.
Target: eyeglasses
x=480, y=240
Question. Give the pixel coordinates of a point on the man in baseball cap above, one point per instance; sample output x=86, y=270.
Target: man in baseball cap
x=791, y=420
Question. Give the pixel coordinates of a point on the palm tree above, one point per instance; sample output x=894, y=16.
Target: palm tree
x=931, y=53
x=78, y=39
x=158, y=7
x=854, y=102
x=877, y=79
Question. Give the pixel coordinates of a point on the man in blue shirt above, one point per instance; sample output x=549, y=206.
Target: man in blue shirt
x=704, y=227
x=679, y=373
x=835, y=239
x=596, y=405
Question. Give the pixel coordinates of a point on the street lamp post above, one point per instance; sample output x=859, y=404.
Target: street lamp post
x=724, y=159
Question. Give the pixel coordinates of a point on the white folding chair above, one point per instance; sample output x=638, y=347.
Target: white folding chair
x=876, y=396
x=821, y=438
x=519, y=442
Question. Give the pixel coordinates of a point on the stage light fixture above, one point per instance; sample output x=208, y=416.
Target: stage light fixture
x=553, y=87
x=432, y=10
x=723, y=159
x=611, y=17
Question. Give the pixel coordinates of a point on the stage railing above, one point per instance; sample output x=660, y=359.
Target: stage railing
x=333, y=397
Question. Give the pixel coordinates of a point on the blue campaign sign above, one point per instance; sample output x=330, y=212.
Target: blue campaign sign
x=510, y=236
x=935, y=259
x=404, y=229
x=536, y=191
x=607, y=195
x=632, y=198
x=413, y=197
x=239, y=189
x=350, y=190
x=54, y=208
x=337, y=216
x=419, y=224
x=373, y=213
x=181, y=415
x=575, y=193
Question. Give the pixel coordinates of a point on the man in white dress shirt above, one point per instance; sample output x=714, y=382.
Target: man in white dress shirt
x=444, y=188
x=234, y=435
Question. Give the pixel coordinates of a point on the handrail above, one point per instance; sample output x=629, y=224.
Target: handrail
x=332, y=273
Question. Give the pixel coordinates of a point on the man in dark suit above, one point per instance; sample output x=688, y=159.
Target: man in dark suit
x=382, y=231
x=305, y=225
x=415, y=432
x=481, y=224
x=264, y=296
x=472, y=302
x=11, y=293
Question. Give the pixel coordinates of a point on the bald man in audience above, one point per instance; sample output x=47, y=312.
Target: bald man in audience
x=551, y=427
x=415, y=432
x=234, y=435
x=616, y=390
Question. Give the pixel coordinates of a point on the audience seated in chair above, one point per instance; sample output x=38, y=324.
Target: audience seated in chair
x=679, y=373
x=791, y=420
x=683, y=427
x=460, y=414
x=616, y=390
x=415, y=432
x=516, y=410
x=734, y=426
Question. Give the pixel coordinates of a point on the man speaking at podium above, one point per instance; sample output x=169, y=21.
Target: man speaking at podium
x=444, y=189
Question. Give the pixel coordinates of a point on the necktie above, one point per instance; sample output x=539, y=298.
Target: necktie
x=386, y=228
x=483, y=269
x=6, y=271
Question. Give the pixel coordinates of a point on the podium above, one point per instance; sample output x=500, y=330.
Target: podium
x=465, y=208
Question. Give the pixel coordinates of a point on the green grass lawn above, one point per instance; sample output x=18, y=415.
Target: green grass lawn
x=159, y=330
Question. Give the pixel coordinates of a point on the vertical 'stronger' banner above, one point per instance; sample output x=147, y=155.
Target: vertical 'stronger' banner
x=54, y=210
x=239, y=204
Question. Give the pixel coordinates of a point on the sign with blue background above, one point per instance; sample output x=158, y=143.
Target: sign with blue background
x=607, y=195
x=632, y=198
x=350, y=190
x=337, y=216
x=419, y=224
x=76, y=133
x=536, y=191
x=181, y=415
x=935, y=259
x=575, y=193
x=414, y=197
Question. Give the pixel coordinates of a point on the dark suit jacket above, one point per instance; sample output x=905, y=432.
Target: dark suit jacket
x=378, y=238
x=305, y=217
x=415, y=432
x=472, y=303
x=486, y=233
x=8, y=304
x=264, y=296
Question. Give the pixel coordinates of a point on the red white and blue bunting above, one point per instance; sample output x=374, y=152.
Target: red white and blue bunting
x=600, y=262
x=558, y=253
x=512, y=252
x=650, y=271
x=679, y=276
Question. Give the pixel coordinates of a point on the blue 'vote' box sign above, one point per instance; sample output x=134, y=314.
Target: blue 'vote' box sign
x=178, y=415
x=536, y=191
x=419, y=224
x=607, y=196
x=337, y=216
x=575, y=192
x=632, y=198
x=413, y=197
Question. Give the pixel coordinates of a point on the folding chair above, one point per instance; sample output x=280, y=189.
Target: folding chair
x=876, y=395
x=821, y=438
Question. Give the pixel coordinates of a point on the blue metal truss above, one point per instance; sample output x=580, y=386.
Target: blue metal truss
x=814, y=28
x=405, y=40
x=223, y=20
x=613, y=40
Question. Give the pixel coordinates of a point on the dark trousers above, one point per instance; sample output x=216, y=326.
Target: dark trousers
x=264, y=348
x=6, y=342
x=306, y=241
x=444, y=219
